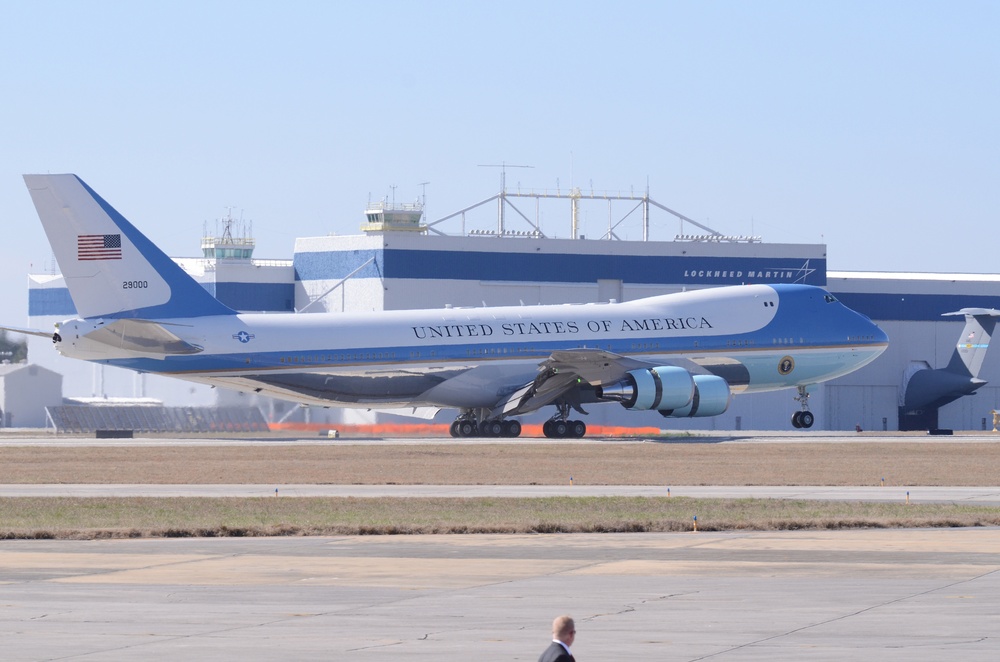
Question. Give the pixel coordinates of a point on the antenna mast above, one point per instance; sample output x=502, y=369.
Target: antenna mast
x=502, y=198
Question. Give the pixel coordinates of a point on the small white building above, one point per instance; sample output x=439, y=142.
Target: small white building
x=26, y=390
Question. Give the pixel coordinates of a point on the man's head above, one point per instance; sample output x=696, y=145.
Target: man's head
x=564, y=630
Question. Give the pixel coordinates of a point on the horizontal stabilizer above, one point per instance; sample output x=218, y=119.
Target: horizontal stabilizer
x=27, y=332
x=975, y=312
x=142, y=336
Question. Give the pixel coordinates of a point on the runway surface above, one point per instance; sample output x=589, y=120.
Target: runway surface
x=32, y=437
x=982, y=496
x=819, y=595
x=904, y=594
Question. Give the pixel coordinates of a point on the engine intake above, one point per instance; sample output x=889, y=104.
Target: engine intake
x=663, y=387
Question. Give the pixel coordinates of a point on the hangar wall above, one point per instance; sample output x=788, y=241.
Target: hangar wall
x=404, y=270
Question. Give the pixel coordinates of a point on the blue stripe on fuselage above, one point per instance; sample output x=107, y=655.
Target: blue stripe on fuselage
x=806, y=318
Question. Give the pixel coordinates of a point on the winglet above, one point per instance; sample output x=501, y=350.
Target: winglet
x=111, y=269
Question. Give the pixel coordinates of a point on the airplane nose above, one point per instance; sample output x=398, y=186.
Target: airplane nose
x=878, y=335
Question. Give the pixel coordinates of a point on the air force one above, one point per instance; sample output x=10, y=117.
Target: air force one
x=683, y=355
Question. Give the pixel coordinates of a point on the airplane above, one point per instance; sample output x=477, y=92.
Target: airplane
x=925, y=390
x=683, y=354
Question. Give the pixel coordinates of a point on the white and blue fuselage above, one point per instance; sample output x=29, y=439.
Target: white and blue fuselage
x=681, y=354
x=765, y=337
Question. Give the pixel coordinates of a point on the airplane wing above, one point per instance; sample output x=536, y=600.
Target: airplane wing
x=560, y=375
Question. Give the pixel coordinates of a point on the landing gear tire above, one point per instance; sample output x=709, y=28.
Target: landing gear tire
x=453, y=430
x=512, y=428
x=564, y=429
x=803, y=419
x=466, y=429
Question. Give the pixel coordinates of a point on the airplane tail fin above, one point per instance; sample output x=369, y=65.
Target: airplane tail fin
x=970, y=351
x=111, y=269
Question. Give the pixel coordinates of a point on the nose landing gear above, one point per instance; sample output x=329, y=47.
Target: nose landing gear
x=804, y=418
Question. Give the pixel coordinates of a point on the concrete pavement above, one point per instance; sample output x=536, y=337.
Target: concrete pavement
x=884, y=595
x=982, y=496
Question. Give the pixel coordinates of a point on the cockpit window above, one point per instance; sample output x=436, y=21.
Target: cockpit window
x=829, y=298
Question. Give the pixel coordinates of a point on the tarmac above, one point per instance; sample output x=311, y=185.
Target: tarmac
x=928, y=594
x=898, y=594
x=980, y=496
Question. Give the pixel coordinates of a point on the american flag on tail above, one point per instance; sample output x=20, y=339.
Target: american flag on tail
x=99, y=247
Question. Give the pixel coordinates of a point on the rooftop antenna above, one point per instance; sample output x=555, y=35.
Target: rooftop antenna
x=423, y=195
x=502, y=200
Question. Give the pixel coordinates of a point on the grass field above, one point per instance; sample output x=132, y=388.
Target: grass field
x=972, y=464
x=89, y=518
x=489, y=464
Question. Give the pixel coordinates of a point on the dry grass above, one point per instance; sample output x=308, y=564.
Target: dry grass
x=186, y=517
x=972, y=464
x=489, y=464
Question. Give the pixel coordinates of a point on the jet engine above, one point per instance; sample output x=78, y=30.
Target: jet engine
x=711, y=398
x=663, y=388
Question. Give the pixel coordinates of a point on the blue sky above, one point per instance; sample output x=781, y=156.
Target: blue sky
x=870, y=126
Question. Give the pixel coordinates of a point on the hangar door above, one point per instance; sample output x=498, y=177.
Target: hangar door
x=867, y=406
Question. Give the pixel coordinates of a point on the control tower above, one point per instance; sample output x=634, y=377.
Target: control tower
x=385, y=216
x=226, y=245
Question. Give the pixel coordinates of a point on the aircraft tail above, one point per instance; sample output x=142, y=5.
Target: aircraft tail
x=926, y=388
x=111, y=269
x=970, y=351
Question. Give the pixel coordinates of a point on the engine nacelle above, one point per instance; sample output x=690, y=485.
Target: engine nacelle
x=711, y=398
x=663, y=387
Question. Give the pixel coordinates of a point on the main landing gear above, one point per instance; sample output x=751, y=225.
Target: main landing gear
x=560, y=427
x=467, y=426
x=804, y=418
x=474, y=423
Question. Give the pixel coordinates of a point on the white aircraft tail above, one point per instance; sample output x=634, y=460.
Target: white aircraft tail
x=970, y=351
x=111, y=269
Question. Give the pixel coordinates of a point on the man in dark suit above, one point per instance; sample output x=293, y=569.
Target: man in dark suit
x=563, y=634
